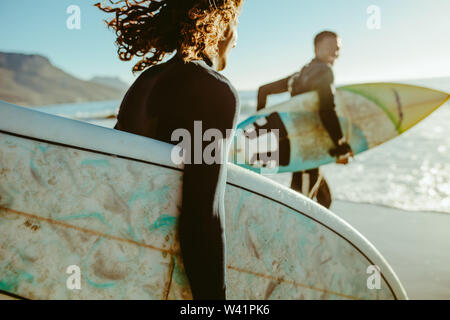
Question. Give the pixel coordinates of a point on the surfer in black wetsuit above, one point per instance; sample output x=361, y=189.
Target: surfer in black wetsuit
x=172, y=95
x=317, y=75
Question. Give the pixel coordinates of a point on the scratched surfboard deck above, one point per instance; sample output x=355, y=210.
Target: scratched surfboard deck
x=72, y=193
x=369, y=114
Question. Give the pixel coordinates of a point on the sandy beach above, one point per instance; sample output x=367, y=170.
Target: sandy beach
x=416, y=244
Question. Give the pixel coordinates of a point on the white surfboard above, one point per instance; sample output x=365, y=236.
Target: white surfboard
x=75, y=194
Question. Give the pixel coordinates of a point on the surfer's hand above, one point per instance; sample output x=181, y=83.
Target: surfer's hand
x=343, y=152
x=344, y=159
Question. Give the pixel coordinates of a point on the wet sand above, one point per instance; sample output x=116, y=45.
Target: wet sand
x=415, y=244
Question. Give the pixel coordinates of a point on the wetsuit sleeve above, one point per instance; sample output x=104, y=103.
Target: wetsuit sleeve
x=327, y=109
x=201, y=231
x=276, y=87
x=218, y=109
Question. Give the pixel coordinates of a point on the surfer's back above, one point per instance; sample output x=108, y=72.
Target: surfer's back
x=173, y=95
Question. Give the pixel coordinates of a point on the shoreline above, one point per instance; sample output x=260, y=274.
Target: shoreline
x=386, y=206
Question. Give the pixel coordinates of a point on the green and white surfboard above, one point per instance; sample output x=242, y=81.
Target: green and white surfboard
x=369, y=114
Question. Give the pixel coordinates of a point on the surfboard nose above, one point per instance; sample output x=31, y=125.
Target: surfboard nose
x=406, y=105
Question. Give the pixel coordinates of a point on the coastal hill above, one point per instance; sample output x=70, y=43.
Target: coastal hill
x=32, y=80
x=113, y=82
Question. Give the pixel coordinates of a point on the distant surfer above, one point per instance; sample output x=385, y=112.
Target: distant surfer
x=174, y=94
x=316, y=76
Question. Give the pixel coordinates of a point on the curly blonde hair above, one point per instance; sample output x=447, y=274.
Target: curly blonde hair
x=152, y=29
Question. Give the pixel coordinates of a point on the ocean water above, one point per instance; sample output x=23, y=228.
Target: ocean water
x=411, y=172
x=83, y=111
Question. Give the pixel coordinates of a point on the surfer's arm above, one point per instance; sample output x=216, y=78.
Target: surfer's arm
x=276, y=87
x=216, y=105
x=201, y=230
x=327, y=111
x=329, y=118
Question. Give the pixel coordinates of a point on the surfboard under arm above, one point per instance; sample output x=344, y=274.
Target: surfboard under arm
x=77, y=194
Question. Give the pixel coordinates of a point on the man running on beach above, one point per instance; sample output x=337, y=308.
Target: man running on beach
x=316, y=76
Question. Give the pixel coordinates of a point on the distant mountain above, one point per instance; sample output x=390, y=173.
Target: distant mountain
x=31, y=80
x=113, y=82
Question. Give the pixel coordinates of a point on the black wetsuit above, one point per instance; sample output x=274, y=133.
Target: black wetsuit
x=171, y=96
x=315, y=76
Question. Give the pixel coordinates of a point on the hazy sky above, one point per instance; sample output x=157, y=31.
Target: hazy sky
x=275, y=38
